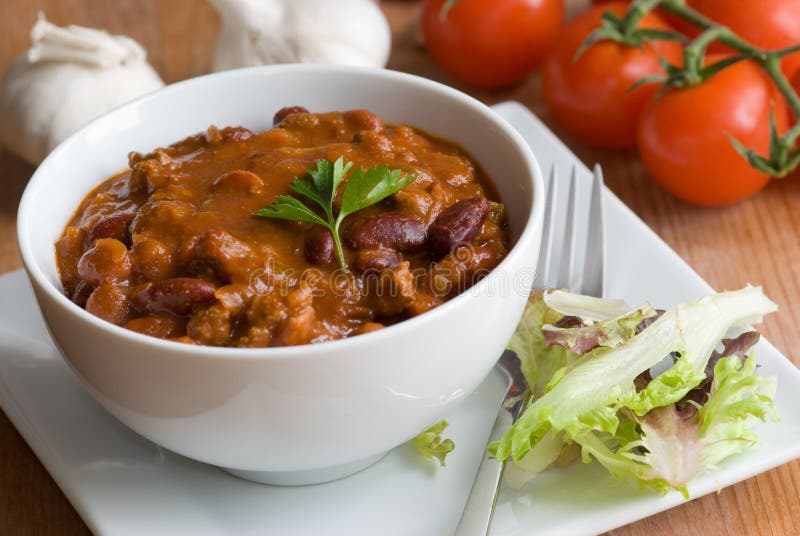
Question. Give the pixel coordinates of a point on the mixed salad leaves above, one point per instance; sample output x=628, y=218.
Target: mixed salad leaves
x=591, y=363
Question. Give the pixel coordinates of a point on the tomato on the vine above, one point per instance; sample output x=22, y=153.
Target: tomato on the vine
x=591, y=96
x=768, y=24
x=489, y=43
x=683, y=135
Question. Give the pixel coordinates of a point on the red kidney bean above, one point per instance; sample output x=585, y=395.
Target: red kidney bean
x=161, y=325
x=180, y=296
x=376, y=259
x=457, y=224
x=108, y=260
x=389, y=230
x=109, y=302
x=286, y=111
x=239, y=179
x=115, y=226
x=363, y=120
x=319, y=247
x=151, y=258
x=81, y=293
x=235, y=134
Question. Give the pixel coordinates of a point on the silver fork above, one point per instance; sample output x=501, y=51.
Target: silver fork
x=479, y=509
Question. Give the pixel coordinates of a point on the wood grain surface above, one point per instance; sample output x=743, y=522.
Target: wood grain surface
x=757, y=242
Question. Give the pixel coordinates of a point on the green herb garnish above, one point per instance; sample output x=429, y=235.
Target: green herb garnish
x=362, y=189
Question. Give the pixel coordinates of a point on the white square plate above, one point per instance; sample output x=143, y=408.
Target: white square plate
x=123, y=484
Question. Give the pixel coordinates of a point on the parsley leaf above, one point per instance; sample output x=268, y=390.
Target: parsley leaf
x=287, y=207
x=362, y=189
x=365, y=188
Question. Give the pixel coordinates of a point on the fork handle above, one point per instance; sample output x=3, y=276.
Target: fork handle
x=477, y=516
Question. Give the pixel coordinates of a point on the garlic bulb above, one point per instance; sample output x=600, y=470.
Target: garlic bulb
x=69, y=76
x=261, y=32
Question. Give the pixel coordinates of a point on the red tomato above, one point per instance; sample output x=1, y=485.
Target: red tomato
x=770, y=24
x=683, y=135
x=591, y=97
x=491, y=43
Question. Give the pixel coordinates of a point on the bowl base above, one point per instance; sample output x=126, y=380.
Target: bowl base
x=306, y=477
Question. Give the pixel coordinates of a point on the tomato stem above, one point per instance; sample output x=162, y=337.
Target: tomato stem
x=783, y=158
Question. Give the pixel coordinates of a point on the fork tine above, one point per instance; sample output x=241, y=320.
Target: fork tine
x=592, y=280
x=541, y=275
x=564, y=278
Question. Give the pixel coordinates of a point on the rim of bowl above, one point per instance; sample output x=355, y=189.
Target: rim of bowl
x=536, y=213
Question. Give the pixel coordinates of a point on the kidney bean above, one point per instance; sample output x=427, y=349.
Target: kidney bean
x=376, y=259
x=69, y=249
x=457, y=224
x=151, y=258
x=81, y=293
x=319, y=247
x=373, y=141
x=107, y=261
x=160, y=325
x=363, y=120
x=239, y=179
x=160, y=213
x=179, y=296
x=109, y=302
x=286, y=111
x=113, y=226
x=389, y=230
x=235, y=134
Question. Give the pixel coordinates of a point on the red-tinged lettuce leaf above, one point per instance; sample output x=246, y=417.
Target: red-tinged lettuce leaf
x=607, y=333
x=669, y=449
x=595, y=388
x=738, y=347
x=538, y=361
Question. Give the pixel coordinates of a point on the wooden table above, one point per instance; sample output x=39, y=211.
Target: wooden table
x=757, y=242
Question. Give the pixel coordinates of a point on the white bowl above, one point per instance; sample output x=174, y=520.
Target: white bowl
x=289, y=415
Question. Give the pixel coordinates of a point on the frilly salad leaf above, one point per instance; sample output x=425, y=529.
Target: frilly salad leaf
x=431, y=445
x=582, y=361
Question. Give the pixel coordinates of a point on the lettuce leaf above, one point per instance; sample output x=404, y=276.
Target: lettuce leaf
x=610, y=332
x=430, y=444
x=538, y=361
x=643, y=434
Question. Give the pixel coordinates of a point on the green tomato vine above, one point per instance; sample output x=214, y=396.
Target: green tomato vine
x=784, y=156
